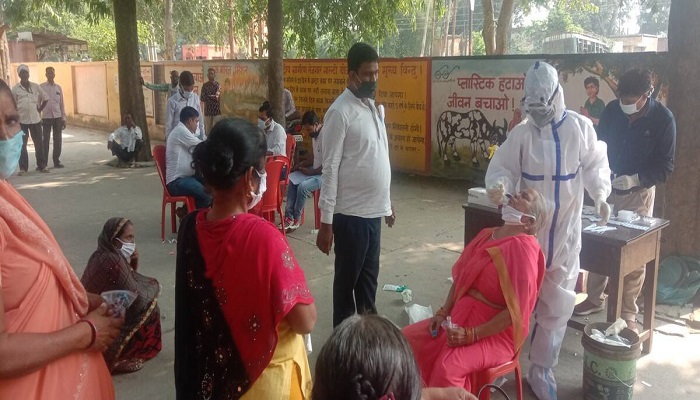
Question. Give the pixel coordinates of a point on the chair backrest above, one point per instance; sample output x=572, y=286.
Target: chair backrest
x=285, y=168
x=159, y=158
x=272, y=196
x=291, y=147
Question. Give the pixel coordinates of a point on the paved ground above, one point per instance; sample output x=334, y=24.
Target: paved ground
x=419, y=252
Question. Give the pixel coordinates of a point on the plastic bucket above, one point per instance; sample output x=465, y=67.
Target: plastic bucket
x=609, y=372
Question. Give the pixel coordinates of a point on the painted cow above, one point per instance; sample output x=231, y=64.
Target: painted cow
x=472, y=126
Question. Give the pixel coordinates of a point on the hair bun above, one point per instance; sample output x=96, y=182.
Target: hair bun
x=363, y=389
x=220, y=159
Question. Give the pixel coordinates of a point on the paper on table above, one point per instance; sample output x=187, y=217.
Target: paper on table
x=598, y=229
x=297, y=177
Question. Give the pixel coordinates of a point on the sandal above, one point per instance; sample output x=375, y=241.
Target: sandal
x=127, y=366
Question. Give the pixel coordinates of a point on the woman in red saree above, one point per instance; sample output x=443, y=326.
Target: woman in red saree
x=51, y=330
x=496, y=283
x=113, y=266
x=241, y=299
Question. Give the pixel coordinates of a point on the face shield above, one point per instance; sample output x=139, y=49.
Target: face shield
x=544, y=97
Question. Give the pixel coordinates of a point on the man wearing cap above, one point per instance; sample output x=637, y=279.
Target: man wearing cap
x=31, y=100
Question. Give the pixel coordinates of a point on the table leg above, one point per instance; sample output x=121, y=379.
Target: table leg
x=651, y=278
x=615, y=282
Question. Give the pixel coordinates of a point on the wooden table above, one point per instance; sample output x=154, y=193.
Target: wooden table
x=613, y=253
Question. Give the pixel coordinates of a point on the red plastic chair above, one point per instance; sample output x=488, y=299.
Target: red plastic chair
x=272, y=198
x=159, y=157
x=288, y=164
x=317, y=211
x=489, y=375
x=291, y=148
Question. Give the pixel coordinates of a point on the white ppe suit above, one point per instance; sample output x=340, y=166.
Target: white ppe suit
x=558, y=160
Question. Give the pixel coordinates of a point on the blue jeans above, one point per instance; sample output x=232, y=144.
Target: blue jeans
x=297, y=194
x=191, y=186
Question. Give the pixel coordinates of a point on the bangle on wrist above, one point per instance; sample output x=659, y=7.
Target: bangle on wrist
x=93, y=331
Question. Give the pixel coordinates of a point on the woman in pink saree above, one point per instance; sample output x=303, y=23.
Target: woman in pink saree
x=51, y=331
x=496, y=283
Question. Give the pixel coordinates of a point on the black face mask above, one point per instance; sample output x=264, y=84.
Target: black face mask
x=315, y=134
x=365, y=90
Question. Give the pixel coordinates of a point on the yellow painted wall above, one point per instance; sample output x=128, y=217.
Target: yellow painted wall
x=65, y=77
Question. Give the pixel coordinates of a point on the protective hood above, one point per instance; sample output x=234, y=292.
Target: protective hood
x=544, y=97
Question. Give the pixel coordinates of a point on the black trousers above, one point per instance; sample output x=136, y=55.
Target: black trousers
x=38, y=140
x=357, y=245
x=55, y=124
x=123, y=154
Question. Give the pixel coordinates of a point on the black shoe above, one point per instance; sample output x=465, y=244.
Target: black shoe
x=58, y=165
x=181, y=212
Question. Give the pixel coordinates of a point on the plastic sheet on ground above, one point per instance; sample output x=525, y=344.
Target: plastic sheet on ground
x=417, y=313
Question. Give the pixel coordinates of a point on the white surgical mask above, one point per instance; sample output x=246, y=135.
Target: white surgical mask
x=185, y=93
x=511, y=216
x=127, y=249
x=262, y=125
x=629, y=109
x=261, y=190
x=10, y=151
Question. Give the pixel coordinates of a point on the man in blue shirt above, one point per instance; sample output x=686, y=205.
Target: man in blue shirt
x=641, y=137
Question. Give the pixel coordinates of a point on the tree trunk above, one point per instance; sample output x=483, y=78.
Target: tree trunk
x=432, y=32
x=454, y=27
x=505, y=21
x=129, y=67
x=261, y=36
x=489, y=30
x=251, y=39
x=612, y=23
x=169, y=53
x=443, y=51
x=428, y=7
x=275, y=67
x=4, y=48
x=231, y=30
x=683, y=189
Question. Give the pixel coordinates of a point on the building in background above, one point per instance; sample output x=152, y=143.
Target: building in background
x=639, y=43
x=574, y=43
x=46, y=46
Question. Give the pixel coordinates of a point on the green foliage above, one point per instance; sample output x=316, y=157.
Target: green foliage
x=478, y=48
x=559, y=20
x=653, y=17
x=101, y=38
x=330, y=27
x=406, y=43
x=201, y=22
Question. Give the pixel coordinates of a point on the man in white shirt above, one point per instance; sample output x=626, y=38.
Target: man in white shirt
x=355, y=194
x=179, y=174
x=306, y=173
x=185, y=97
x=54, y=116
x=275, y=134
x=31, y=100
x=126, y=141
x=290, y=109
